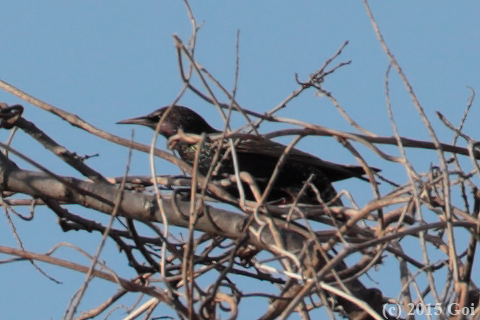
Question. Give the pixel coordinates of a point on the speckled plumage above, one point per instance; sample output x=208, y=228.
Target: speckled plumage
x=257, y=156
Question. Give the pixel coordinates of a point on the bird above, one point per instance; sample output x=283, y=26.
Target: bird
x=256, y=155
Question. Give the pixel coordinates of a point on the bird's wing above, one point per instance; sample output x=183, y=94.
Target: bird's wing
x=333, y=171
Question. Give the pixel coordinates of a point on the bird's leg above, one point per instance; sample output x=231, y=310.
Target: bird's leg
x=181, y=136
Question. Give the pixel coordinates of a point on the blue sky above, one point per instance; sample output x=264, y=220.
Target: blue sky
x=110, y=60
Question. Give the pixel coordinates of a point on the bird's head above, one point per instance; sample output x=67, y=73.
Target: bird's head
x=178, y=117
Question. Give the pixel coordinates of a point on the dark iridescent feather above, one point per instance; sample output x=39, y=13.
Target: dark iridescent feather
x=256, y=155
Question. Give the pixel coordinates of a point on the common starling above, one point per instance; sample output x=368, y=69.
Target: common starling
x=257, y=156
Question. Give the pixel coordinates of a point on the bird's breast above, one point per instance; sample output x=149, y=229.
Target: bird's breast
x=188, y=152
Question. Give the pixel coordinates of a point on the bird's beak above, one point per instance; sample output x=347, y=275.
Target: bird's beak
x=139, y=120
